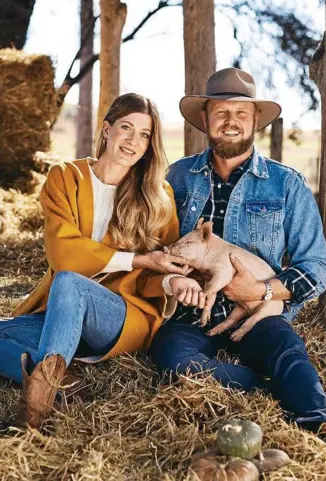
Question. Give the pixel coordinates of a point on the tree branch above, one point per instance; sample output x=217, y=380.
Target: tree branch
x=69, y=81
x=88, y=32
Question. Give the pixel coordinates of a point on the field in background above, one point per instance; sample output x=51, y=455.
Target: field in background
x=303, y=157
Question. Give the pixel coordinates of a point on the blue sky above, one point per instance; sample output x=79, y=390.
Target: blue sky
x=153, y=63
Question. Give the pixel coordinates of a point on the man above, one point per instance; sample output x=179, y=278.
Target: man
x=266, y=208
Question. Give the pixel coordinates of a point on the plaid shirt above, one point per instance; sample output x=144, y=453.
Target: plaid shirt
x=295, y=280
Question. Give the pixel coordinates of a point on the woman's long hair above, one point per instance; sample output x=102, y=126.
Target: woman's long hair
x=142, y=205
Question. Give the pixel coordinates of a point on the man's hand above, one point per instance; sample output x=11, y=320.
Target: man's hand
x=161, y=262
x=244, y=285
x=188, y=292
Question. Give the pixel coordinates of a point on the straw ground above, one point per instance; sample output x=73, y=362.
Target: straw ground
x=125, y=424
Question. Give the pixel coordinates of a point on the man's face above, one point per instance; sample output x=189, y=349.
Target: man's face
x=230, y=127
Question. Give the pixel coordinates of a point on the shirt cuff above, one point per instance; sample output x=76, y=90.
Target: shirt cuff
x=120, y=261
x=299, y=282
x=166, y=283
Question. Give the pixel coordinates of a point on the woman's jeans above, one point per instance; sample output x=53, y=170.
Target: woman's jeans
x=271, y=349
x=82, y=318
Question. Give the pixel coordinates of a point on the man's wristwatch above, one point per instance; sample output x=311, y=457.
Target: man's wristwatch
x=269, y=291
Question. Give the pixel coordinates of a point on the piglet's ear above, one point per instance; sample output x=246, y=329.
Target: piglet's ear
x=200, y=223
x=207, y=231
x=166, y=250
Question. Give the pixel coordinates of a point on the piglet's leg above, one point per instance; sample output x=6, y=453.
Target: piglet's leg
x=206, y=313
x=214, y=285
x=233, y=318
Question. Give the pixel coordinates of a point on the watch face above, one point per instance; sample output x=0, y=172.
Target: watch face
x=268, y=296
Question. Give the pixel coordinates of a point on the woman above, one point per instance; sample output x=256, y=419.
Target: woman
x=105, y=223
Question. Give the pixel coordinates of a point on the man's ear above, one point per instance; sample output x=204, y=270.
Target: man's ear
x=204, y=118
x=256, y=118
x=207, y=231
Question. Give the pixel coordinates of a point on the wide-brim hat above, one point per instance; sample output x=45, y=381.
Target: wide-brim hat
x=230, y=84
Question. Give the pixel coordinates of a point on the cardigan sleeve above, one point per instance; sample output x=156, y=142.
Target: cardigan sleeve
x=65, y=246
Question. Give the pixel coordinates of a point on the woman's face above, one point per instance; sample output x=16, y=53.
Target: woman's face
x=128, y=138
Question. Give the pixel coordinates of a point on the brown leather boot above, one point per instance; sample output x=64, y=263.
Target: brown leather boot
x=40, y=385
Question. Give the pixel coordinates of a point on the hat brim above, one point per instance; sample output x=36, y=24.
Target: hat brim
x=191, y=107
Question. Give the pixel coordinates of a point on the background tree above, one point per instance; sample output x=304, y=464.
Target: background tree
x=289, y=40
x=318, y=75
x=113, y=17
x=200, y=59
x=15, y=16
x=84, y=122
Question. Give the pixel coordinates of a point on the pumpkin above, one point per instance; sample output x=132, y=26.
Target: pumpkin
x=239, y=438
x=270, y=460
x=206, y=467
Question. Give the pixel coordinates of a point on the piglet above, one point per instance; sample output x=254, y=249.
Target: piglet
x=210, y=255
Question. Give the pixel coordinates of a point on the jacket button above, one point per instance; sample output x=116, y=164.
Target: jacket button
x=205, y=173
x=193, y=208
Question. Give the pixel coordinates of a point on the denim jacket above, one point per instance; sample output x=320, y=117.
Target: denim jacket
x=271, y=210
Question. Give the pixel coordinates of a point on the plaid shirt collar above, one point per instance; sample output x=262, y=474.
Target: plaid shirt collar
x=239, y=170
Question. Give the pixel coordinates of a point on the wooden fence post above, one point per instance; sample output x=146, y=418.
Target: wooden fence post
x=277, y=140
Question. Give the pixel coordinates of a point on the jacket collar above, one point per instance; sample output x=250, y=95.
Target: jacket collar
x=257, y=164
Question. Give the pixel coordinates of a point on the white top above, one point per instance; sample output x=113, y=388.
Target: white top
x=103, y=202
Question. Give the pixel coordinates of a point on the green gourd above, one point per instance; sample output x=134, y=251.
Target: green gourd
x=239, y=438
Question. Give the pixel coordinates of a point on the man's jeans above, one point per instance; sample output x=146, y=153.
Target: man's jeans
x=82, y=318
x=271, y=349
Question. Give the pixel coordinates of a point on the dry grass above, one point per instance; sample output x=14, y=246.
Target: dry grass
x=127, y=425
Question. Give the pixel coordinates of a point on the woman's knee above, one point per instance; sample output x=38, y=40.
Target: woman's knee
x=64, y=278
x=66, y=283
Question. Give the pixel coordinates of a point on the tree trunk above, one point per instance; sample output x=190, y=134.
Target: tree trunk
x=85, y=114
x=318, y=75
x=277, y=139
x=15, y=16
x=113, y=17
x=200, y=59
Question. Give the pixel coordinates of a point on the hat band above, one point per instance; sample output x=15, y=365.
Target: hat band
x=237, y=94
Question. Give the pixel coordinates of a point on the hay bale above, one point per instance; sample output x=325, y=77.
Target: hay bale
x=27, y=110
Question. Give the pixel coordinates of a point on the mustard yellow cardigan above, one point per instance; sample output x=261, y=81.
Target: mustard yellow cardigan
x=67, y=202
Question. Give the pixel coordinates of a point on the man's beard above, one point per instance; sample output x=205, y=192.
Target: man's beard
x=229, y=150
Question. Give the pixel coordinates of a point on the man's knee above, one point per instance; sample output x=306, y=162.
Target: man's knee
x=277, y=331
x=177, y=348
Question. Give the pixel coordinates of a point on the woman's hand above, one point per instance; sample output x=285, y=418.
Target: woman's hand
x=162, y=262
x=188, y=291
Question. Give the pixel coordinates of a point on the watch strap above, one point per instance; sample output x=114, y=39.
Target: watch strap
x=269, y=291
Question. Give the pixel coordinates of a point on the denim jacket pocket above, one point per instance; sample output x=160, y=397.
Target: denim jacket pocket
x=264, y=223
